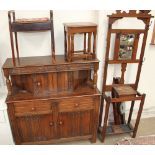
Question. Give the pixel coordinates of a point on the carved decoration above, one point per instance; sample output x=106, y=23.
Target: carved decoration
x=131, y=13
x=127, y=45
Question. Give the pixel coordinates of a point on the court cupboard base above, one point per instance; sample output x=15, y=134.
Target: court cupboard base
x=63, y=115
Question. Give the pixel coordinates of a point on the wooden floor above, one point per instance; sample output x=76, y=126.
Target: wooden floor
x=146, y=127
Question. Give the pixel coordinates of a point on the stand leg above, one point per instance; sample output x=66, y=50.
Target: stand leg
x=131, y=111
x=101, y=111
x=139, y=116
x=95, y=119
x=105, y=120
x=69, y=49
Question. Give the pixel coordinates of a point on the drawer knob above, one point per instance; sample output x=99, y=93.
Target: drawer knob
x=51, y=123
x=38, y=83
x=33, y=109
x=76, y=105
x=60, y=123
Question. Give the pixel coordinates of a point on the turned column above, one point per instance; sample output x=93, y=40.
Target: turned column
x=69, y=48
x=95, y=75
x=8, y=82
x=65, y=43
x=72, y=47
x=94, y=45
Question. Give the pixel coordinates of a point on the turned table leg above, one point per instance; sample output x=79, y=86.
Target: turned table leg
x=8, y=82
x=103, y=134
x=69, y=48
x=72, y=47
x=139, y=116
x=95, y=76
x=65, y=43
x=94, y=45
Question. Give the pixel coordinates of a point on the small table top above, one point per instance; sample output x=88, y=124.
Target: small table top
x=80, y=27
x=80, y=24
x=124, y=90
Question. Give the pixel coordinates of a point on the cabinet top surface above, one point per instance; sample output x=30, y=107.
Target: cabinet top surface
x=42, y=61
x=80, y=24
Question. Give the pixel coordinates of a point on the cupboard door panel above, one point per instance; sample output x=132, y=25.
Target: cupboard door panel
x=71, y=124
x=52, y=82
x=62, y=81
x=40, y=84
x=36, y=128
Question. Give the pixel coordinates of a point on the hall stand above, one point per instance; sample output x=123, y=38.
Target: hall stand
x=124, y=54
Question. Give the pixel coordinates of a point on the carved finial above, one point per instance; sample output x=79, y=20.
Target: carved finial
x=118, y=11
x=145, y=11
x=132, y=11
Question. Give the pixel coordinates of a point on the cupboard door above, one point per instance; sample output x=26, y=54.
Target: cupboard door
x=71, y=124
x=40, y=83
x=36, y=128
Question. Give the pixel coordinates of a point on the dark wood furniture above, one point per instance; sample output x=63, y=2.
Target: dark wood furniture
x=89, y=32
x=124, y=54
x=29, y=25
x=50, y=102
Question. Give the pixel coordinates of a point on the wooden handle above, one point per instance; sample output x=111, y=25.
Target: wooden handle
x=51, y=124
x=60, y=123
x=76, y=105
x=38, y=83
x=32, y=108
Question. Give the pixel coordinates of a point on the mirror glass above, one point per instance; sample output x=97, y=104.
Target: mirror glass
x=126, y=46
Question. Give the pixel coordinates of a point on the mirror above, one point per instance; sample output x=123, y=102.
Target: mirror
x=126, y=46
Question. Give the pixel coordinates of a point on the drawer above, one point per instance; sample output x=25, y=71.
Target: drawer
x=32, y=107
x=76, y=104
